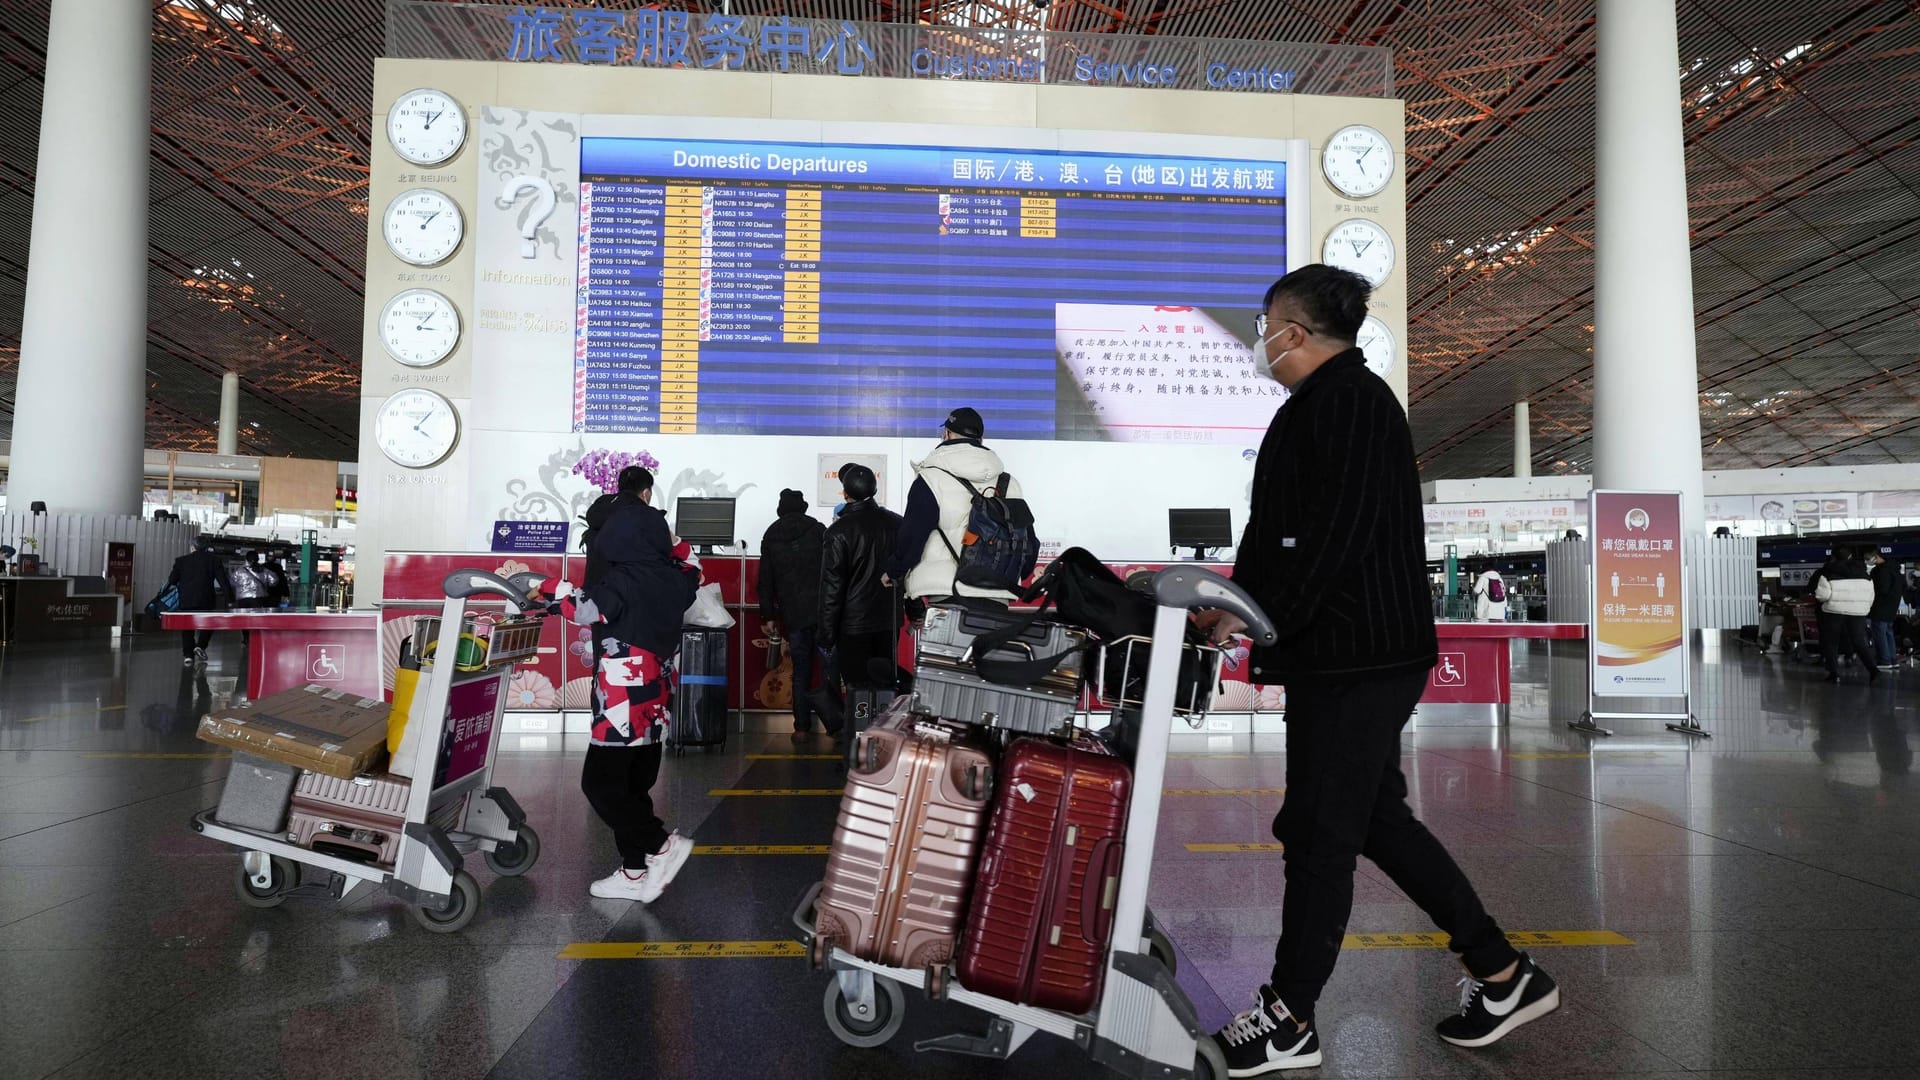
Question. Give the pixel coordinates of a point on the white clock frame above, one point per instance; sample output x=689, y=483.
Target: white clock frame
x=1378, y=143
x=437, y=450
x=441, y=152
x=1332, y=257
x=450, y=207
x=386, y=329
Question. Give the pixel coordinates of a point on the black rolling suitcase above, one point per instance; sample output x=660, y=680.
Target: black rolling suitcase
x=700, y=701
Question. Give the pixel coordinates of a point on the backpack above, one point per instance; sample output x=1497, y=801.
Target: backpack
x=167, y=601
x=1000, y=548
x=1496, y=591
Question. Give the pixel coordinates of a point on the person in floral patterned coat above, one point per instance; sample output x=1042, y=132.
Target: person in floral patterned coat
x=634, y=611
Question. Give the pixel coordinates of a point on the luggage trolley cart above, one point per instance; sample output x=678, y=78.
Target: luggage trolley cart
x=445, y=819
x=1144, y=1025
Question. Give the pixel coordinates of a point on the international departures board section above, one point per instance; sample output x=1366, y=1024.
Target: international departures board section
x=769, y=289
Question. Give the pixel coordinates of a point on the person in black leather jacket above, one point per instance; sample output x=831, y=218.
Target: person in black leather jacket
x=859, y=613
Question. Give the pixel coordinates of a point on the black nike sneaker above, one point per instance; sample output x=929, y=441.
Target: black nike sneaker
x=1266, y=1039
x=1490, y=1012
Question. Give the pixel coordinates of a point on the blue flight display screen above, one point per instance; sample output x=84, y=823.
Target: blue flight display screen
x=753, y=288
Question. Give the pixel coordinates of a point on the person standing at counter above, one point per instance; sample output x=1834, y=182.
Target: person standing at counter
x=201, y=577
x=1886, y=607
x=927, y=558
x=859, y=613
x=1490, y=596
x=790, y=595
x=1335, y=552
x=634, y=610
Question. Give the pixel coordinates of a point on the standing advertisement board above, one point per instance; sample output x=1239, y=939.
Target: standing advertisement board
x=1639, y=615
x=119, y=570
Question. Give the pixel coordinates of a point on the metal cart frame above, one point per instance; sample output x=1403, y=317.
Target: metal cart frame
x=442, y=825
x=1144, y=1025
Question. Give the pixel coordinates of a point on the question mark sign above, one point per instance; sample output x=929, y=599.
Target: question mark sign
x=544, y=201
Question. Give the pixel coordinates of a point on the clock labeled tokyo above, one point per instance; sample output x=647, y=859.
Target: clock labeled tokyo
x=426, y=127
x=1357, y=161
x=416, y=428
x=419, y=327
x=1376, y=341
x=423, y=226
x=1361, y=246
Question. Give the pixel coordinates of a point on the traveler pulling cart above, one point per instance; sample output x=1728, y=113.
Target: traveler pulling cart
x=1141, y=1024
x=410, y=836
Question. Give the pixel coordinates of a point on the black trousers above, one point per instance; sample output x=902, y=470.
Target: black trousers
x=855, y=656
x=803, y=646
x=1347, y=797
x=194, y=639
x=618, y=782
x=1841, y=634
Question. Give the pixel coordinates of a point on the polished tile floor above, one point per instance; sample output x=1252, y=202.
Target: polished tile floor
x=1768, y=880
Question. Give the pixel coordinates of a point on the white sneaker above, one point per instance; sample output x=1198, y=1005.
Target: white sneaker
x=622, y=884
x=662, y=867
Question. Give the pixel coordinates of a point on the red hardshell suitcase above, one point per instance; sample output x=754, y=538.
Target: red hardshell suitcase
x=903, y=850
x=359, y=819
x=1043, y=899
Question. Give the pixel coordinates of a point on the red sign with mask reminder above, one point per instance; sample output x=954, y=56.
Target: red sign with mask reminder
x=1639, y=604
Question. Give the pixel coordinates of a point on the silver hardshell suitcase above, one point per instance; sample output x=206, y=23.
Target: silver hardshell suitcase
x=953, y=691
x=949, y=630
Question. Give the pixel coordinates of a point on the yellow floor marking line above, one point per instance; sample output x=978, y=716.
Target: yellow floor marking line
x=679, y=950
x=760, y=849
x=1524, y=939
x=160, y=757
x=70, y=715
x=1268, y=846
x=724, y=791
x=793, y=757
x=1225, y=791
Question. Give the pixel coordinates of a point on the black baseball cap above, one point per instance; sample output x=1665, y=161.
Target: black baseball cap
x=966, y=423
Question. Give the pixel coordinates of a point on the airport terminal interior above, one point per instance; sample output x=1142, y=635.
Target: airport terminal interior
x=663, y=363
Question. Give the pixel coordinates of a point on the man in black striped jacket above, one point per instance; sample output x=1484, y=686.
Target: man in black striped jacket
x=1335, y=552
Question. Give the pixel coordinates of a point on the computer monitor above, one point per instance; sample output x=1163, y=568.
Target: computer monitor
x=1200, y=529
x=704, y=522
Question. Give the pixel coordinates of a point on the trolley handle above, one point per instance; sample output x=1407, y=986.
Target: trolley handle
x=464, y=584
x=1189, y=587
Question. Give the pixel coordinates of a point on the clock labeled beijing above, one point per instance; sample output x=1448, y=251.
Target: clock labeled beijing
x=426, y=126
x=419, y=327
x=1357, y=161
x=1361, y=246
x=423, y=226
x=416, y=428
x=1376, y=341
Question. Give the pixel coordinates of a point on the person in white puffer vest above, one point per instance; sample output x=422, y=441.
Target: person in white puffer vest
x=938, y=506
x=1845, y=592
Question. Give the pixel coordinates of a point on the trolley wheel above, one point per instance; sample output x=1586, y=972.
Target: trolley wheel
x=821, y=949
x=282, y=874
x=461, y=905
x=938, y=976
x=1209, y=1061
x=1161, y=949
x=889, y=1012
x=515, y=857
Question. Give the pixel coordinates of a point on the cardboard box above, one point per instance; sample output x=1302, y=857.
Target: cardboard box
x=328, y=731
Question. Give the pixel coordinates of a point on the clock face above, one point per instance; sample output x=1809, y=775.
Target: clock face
x=1361, y=246
x=1358, y=161
x=419, y=327
x=416, y=428
x=423, y=226
x=1377, y=342
x=426, y=126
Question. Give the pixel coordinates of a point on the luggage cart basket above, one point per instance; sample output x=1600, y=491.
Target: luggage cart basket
x=451, y=736
x=1144, y=1025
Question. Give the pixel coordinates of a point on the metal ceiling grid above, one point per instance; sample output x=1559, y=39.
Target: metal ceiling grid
x=1802, y=119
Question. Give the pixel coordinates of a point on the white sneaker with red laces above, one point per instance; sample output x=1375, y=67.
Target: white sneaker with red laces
x=663, y=866
x=622, y=884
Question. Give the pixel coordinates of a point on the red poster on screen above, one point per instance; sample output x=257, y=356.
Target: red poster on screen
x=1639, y=607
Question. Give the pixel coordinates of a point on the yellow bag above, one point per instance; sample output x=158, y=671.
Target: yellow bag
x=405, y=682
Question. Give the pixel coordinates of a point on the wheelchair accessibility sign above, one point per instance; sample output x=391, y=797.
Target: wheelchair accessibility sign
x=1451, y=670
x=326, y=663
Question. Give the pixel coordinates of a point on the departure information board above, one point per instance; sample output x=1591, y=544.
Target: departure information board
x=787, y=289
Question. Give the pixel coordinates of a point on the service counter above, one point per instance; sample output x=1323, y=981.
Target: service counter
x=34, y=609
x=1472, y=685
x=289, y=649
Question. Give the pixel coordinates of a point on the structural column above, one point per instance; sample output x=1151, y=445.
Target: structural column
x=79, y=417
x=1522, y=440
x=229, y=437
x=1646, y=398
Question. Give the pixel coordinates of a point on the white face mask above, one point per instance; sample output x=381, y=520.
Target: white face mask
x=1260, y=360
